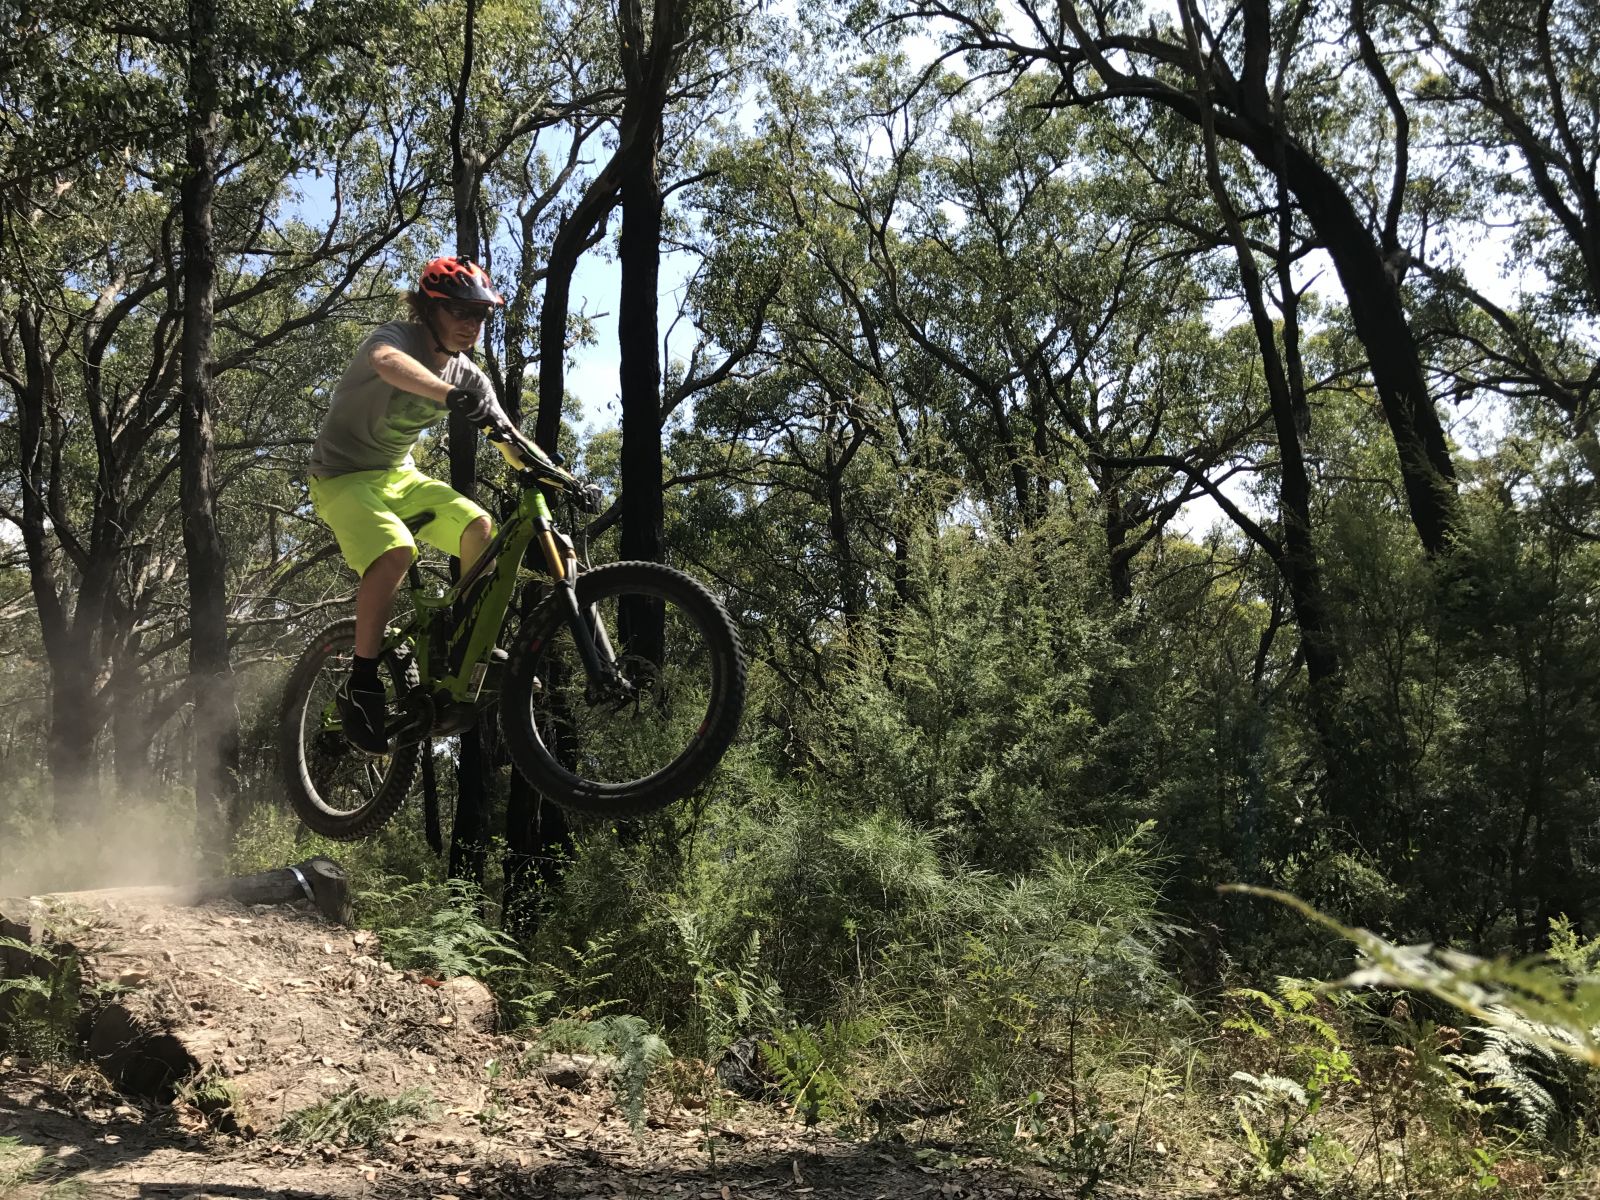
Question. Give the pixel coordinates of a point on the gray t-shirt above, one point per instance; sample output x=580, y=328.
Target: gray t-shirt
x=371, y=425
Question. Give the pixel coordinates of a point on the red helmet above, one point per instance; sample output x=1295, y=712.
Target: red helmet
x=458, y=279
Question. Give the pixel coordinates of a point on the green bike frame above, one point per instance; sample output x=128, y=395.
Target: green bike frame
x=453, y=673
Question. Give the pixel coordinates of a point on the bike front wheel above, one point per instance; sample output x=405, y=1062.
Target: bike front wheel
x=337, y=790
x=657, y=736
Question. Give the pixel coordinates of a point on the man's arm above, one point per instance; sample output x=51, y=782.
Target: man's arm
x=399, y=370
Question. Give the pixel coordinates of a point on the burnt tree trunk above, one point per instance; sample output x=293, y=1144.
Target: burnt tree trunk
x=640, y=369
x=648, y=66
x=216, y=721
x=70, y=752
x=470, y=831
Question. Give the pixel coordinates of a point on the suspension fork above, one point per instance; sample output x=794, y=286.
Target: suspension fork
x=602, y=671
x=594, y=646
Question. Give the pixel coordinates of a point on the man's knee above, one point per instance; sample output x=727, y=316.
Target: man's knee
x=476, y=535
x=391, y=564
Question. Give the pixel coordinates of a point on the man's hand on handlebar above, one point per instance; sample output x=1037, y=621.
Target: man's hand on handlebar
x=473, y=405
x=515, y=448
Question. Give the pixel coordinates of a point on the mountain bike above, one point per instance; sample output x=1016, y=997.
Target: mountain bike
x=618, y=692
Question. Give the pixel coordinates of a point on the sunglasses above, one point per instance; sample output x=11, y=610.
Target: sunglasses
x=466, y=312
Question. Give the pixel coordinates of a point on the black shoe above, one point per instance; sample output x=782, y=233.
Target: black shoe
x=361, y=713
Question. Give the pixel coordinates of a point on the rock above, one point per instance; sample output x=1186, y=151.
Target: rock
x=474, y=1003
x=573, y=1071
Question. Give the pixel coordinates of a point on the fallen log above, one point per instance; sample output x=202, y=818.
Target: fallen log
x=319, y=880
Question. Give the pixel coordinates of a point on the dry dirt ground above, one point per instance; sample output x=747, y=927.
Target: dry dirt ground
x=290, y=1011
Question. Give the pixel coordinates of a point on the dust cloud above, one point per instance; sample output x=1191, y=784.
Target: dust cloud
x=132, y=843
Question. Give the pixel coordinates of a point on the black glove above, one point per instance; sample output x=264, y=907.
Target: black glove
x=474, y=406
x=589, y=497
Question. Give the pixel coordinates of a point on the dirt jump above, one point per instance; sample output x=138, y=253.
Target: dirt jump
x=237, y=1040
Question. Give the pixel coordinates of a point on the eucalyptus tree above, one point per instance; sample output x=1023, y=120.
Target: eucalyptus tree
x=1294, y=552
x=1018, y=252
x=804, y=410
x=1257, y=68
x=1515, y=85
x=138, y=269
x=253, y=77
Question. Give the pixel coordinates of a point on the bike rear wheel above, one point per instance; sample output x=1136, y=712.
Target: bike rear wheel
x=337, y=790
x=614, y=757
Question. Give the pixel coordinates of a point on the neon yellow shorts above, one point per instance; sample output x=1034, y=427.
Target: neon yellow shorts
x=367, y=511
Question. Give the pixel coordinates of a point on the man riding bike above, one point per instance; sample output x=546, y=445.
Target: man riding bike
x=404, y=378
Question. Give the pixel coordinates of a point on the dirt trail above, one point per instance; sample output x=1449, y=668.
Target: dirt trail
x=289, y=1011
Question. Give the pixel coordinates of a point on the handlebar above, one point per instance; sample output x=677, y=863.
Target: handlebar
x=527, y=456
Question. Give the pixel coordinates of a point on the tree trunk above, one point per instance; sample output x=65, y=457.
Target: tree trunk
x=852, y=599
x=74, y=774
x=640, y=622
x=131, y=729
x=1119, y=559
x=1426, y=468
x=216, y=720
x=640, y=366
x=538, y=843
x=70, y=755
x=469, y=833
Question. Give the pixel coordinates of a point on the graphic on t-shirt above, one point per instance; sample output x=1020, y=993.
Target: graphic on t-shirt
x=409, y=415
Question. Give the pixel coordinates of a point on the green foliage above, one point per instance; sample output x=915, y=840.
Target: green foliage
x=491, y=1116
x=1278, y=1110
x=1514, y=1071
x=576, y=980
x=811, y=1068
x=907, y=979
x=729, y=1001
x=640, y=1054
x=39, y=1011
x=1530, y=1064
x=1531, y=999
x=636, y=1052
x=440, y=929
x=19, y=1165
x=354, y=1117
x=217, y=1099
